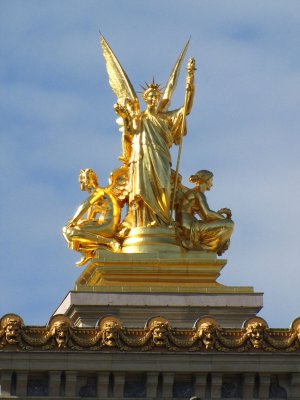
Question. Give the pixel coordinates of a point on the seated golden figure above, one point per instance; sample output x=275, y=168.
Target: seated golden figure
x=213, y=230
x=95, y=222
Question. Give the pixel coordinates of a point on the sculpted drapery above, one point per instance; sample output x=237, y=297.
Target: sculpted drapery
x=150, y=167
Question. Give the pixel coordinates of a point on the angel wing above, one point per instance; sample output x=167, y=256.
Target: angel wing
x=172, y=82
x=118, y=79
x=118, y=183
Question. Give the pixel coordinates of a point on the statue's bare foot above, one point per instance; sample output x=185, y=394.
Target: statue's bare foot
x=86, y=256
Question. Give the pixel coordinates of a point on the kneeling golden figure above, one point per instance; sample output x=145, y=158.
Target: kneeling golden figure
x=213, y=230
x=95, y=221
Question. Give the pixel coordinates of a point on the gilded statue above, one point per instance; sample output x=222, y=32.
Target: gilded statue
x=147, y=138
x=159, y=210
x=95, y=222
x=201, y=227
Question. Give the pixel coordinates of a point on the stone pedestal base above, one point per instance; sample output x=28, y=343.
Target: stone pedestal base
x=179, y=286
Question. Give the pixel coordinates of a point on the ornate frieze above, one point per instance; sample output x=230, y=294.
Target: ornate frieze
x=110, y=335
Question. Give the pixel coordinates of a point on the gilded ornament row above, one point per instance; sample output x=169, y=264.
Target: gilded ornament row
x=110, y=334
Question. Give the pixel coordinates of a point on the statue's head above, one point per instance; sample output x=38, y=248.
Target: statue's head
x=60, y=332
x=159, y=333
x=295, y=326
x=110, y=333
x=206, y=328
x=256, y=333
x=110, y=327
x=207, y=334
x=87, y=179
x=59, y=327
x=151, y=94
x=12, y=325
x=202, y=177
x=159, y=328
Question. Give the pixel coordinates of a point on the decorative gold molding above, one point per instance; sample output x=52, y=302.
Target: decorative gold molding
x=109, y=334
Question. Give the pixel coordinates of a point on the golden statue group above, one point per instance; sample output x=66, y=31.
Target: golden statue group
x=161, y=213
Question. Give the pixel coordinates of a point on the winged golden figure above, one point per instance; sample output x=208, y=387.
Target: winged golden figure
x=95, y=222
x=147, y=137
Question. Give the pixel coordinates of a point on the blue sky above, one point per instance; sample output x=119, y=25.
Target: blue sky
x=57, y=117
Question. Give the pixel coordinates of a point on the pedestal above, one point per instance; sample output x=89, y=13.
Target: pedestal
x=182, y=272
x=136, y=287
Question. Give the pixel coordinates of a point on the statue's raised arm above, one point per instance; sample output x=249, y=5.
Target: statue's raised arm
x=190, y=85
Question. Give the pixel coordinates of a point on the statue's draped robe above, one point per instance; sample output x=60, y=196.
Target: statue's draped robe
x=150, y=167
